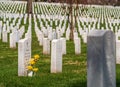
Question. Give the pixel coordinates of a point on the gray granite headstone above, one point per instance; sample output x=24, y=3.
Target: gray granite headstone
x=118, y=51
x=101, y=59
x=0, y=32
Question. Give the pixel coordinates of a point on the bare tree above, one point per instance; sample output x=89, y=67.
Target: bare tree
x=72, y=16
x=29, y=6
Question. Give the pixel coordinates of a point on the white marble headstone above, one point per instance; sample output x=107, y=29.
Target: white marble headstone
x=12, y=40
x=63, y=41
x=56, y=56
x=46, y=46
x=77, y=45
x=4, y=36
x=24, y=54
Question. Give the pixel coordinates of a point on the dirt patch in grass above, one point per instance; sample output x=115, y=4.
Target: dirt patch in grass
x=75, y=63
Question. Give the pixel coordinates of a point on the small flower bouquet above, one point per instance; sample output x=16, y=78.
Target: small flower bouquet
x=32, y=69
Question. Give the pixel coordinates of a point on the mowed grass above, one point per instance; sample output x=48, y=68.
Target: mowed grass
x=74, y=72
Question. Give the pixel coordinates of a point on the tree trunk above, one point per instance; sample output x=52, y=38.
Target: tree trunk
x=71, y=21
x=29, y=6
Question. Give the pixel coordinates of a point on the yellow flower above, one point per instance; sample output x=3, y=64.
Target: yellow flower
x=36, y=57
x=29, y=67
x=32, y=61
x=35, y=69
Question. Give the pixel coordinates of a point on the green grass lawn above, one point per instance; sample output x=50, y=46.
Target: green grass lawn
x=74, y=72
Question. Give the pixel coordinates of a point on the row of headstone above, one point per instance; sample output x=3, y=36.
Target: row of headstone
x=45, y=42
x=56, y=9
x=24, y=54
x=15, y=36
x=13, y=6
x=10, y=29
x=88, y=23
x=101, y=64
